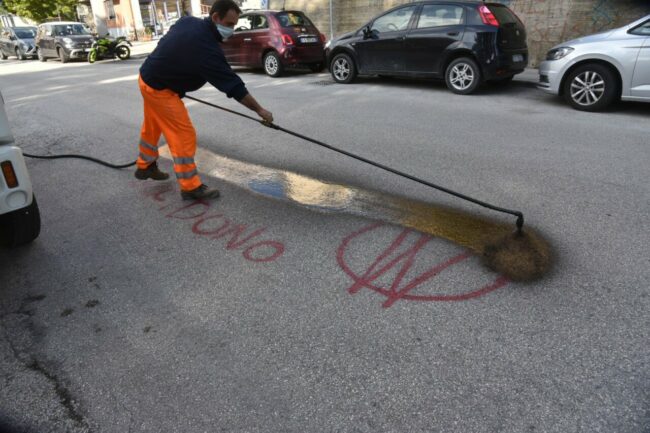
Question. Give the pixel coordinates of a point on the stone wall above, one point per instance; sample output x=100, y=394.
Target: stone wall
x=548, y=22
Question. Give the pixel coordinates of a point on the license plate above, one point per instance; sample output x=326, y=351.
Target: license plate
x=518, y=58
x=308, y=40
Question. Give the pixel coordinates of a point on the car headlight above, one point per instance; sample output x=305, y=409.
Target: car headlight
x=67, y=40
x=558, y=53
x=327, y=45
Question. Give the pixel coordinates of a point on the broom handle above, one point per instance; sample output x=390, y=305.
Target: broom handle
x=518, y=214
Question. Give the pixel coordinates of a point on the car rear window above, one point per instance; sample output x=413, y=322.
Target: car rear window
x=290, y=19
x=503, y=14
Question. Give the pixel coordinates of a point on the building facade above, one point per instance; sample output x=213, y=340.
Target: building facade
x=136, y=19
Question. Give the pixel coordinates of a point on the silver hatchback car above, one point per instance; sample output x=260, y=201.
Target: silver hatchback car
x=594, y=71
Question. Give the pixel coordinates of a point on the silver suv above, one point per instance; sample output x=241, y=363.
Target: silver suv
x=20, y=220
x=594, y=71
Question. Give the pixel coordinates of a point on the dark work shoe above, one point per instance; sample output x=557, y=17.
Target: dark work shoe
x=151, y=172
x=202, y=192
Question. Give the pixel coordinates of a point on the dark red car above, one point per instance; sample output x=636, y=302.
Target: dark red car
x=275, y=40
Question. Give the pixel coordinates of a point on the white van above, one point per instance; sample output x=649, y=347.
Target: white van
x=20, y=221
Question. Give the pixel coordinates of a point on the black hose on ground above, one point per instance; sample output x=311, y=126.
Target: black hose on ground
x=87, y=158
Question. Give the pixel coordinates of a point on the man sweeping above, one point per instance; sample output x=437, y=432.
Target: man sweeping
x=184, y=60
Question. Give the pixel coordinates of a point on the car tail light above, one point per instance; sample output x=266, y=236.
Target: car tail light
x=286, y=40
x=487, y=16
x=9, y=174
x=323, y=38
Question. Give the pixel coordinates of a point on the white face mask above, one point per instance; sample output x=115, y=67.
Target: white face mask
x=226, y=32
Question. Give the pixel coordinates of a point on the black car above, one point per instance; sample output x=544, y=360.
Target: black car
x=17, y=41
x=464, y=42
x=65, y=40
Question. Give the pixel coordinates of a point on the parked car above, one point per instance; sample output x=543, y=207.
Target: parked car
x=275, y=40
x=20, y=220
x=464, y=42
x=63, y=39
x=17, y=41
x=594, y=71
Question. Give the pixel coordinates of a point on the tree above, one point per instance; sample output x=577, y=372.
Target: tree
x=40, y=10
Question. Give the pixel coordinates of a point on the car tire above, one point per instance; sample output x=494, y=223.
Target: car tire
x=316, y=67
x=122, y=52
x=20, y=55
x=40, y=56
x=343, y=69
x=20, y=227
x=463, y=76
x=591, y=87
x=62, y=55
x=3, y=56
x=272, y=64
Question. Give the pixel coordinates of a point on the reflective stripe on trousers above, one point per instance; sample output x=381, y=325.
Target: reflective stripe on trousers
x=165, y=113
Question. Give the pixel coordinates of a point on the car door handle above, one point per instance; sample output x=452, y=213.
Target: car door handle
x=453, y=33
x=247, y=39
x=401, y=38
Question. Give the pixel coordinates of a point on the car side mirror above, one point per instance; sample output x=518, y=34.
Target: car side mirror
x=370, y=34
x=13, y=38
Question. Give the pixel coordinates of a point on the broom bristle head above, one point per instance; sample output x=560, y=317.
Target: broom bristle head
x=519, y=256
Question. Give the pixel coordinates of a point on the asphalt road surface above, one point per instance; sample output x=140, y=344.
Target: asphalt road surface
x=305, y=299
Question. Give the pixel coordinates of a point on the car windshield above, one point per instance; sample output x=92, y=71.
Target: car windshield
x=70, y=29
x=643, y=29
x=25, y=33
x=289, y=19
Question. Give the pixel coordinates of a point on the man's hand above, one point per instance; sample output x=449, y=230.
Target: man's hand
x=250, y=102
x=266, y=115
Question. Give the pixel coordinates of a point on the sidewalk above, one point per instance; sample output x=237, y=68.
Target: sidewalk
x=140, y=50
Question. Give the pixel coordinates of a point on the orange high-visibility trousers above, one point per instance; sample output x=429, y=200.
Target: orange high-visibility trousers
x=165, y=113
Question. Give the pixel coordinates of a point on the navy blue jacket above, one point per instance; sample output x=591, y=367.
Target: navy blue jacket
x=187, y=57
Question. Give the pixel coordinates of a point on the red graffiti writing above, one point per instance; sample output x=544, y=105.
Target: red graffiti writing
x=399, y=258
x=216, y=226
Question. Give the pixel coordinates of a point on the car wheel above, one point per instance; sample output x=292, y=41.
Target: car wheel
x=62, y=55
x=122, y=52
x=316, y=67
x=3, y=56
x=19, y=54
x=39, y=54
x=591, y=87
x=272, y=64
x=21, y=226
x=343, y=69
x=463, y=76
